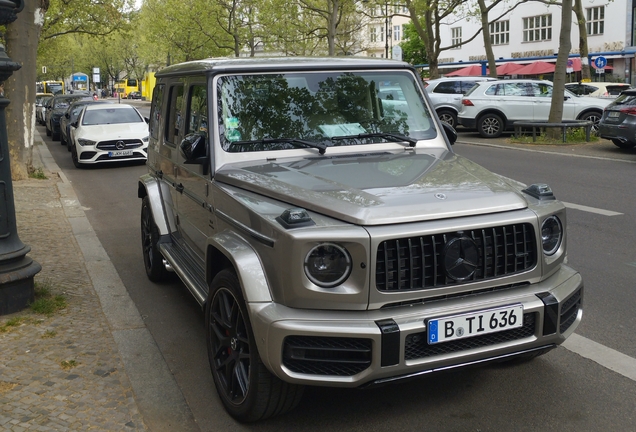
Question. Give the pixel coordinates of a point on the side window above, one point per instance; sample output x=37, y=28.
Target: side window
x=448, y=87
x=198, y=110
x=467, y=85
x=174, y=115
x=516, y=89
x=494, y=90
x=155, y=110
x=541, y=90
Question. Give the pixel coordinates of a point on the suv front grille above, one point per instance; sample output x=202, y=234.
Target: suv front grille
x=316, y=355
x=417, y=347
x=415, y=263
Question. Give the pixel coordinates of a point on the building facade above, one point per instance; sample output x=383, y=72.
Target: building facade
x=528, y=33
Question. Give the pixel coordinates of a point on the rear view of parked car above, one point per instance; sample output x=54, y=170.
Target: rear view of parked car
x=106, y=133
x=493, y=107
x=619, y=121
x=446, y=95
x=598, y=89
x=40, y=106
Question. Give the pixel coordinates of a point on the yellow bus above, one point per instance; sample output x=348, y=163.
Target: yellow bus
x=124, y=87
x=53, y=87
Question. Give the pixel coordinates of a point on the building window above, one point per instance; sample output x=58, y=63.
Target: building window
x=397, y=33
x=373, y=35
x=537, y=28
x=595, y=20
x=382, y=34
x=456, y=36
x=500, y=32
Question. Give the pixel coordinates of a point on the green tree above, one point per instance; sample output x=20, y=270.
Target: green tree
x=413, y=49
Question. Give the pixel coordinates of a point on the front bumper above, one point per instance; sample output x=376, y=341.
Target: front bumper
x=94, y=155
x=352, y=349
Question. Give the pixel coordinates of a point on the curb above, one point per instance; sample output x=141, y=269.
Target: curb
x=156, y=393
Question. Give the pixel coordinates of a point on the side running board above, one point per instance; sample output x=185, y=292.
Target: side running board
x=192, y=275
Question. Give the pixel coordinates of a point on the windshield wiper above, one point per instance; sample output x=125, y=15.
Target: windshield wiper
x=387, y=135
x=293, y=141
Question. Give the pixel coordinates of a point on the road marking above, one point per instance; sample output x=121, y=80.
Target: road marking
x=604, y=356
x=592, y=209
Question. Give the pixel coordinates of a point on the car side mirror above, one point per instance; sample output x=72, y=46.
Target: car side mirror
x=194, y=149
x=147, y=119
x=67, y=115
x=450, y=132
x=74, y=124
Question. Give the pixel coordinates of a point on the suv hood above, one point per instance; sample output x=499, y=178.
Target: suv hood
x=380, y=188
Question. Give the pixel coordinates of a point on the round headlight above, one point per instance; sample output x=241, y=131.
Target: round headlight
x=328, y=265
x=551, y=235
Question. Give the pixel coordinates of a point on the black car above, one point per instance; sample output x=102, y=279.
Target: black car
x=71, y=115
x=134, y=95
x=618, y=123
x=55, y=110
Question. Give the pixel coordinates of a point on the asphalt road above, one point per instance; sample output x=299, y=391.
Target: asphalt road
x=559, y=391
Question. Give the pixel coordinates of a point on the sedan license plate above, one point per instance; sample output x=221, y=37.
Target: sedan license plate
x=120, y=153
x=474, y=324
x=613, y=114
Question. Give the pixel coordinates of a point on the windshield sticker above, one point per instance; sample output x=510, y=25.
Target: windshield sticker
x=342, y=129
x=232, y=123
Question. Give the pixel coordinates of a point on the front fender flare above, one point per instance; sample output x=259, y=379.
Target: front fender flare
x=151, y=187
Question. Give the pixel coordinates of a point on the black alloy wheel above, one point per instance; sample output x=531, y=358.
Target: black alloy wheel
x=247, y=389
x=153, y=260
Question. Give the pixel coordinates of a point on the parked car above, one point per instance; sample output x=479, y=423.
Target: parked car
x=618, y=123
x=334, y=238
x=493, y=106
x=134, y=95
x=40, y=106
x=55, y=110
x=70, y=116
x=597, y=89
x=446, y=95
x=106, y=133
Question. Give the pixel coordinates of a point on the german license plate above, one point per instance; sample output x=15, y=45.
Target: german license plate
x=474, y=324
x=613, y=114
x=120, y=153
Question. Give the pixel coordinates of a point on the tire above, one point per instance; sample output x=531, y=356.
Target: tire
x=63, y=140
x=247, y=389
x=55, y=136
x=48, y=131
x=69, y=144
x=594, y=117
x=75, y=159
x=448, y=116
x=624, y=145
x=490, y=126
x=153, y=260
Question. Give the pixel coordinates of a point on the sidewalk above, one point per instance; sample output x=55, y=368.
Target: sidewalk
x=118, y=380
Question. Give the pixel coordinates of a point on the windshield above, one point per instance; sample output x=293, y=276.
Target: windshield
x=111, y=116
x=258, y=112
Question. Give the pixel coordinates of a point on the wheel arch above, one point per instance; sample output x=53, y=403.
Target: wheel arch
x=492, y=111
x=228, y=250
x=149, y=187
x=586, y=111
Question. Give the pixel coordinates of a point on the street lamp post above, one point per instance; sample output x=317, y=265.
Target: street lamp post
x=16, y=269
x=386, y=30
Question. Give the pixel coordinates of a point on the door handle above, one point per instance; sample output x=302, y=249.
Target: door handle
x=179, y=187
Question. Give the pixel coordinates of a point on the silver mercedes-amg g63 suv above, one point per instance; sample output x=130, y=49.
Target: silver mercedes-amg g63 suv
x=332, y=235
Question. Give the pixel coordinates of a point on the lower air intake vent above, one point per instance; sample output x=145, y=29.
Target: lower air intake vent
x=314, y=355
x=569, y=310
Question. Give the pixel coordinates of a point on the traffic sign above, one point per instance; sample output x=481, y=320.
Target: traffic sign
x=600, y=62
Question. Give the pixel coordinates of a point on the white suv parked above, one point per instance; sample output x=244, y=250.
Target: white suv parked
x=493, y=107
x=446, y=95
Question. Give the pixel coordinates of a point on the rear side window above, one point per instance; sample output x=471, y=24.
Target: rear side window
x=198, y=110
x=449, y=87
x=616, y=90
x=174, y=122
x=155, y=110
x=625, y=99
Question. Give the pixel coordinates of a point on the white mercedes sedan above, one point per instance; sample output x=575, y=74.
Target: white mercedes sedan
x=109, y=133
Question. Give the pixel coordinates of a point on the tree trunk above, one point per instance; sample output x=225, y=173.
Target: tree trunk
x=558, y=91
x=22, y=45
x=583, y=48
x=490, y=56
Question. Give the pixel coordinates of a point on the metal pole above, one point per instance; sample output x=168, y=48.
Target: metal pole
x=16, y=269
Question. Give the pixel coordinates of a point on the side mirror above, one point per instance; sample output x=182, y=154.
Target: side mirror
x=450, y=132
x=194, y=149
x=67, y=115
x=74, y=124
x=147, y=119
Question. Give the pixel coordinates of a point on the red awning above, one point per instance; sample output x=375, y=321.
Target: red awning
x=536, y=68
x=508, y=68
x=472, y=70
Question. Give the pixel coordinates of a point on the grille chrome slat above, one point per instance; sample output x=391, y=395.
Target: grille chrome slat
x=499, y=255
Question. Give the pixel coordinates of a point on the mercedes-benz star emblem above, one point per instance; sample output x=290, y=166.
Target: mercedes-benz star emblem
x=120, y=145
x=461, y=258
